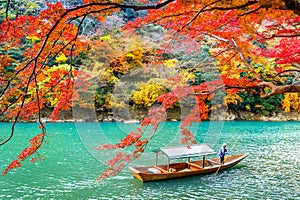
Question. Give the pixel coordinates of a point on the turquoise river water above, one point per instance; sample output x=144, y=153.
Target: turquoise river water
x=72, y=165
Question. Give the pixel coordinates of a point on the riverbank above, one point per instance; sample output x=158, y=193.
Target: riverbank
x=175, y=114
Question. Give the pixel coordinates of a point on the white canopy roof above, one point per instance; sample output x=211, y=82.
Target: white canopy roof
x=187, y=151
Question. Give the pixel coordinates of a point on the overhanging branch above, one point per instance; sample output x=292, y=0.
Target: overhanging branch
x=275, y=89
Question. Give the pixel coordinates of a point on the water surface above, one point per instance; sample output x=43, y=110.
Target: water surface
x=71, y=167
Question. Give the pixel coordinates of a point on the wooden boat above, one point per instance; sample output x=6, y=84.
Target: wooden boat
x=184, y=169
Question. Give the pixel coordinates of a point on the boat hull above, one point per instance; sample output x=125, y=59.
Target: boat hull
x=183, y=169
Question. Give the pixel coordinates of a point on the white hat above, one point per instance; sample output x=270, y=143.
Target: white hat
x=224, y=144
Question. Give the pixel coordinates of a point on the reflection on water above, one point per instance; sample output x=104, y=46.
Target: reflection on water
x=271, y=171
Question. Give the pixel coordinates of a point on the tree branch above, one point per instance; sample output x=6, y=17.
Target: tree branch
x=249, y=3
x=286, y=71
x=293, y=5
x=235, y=46
x=277, y=89
x=281, y=36
x=118, y=5
x=19, y=111
x=6, y=10
x=197, y=14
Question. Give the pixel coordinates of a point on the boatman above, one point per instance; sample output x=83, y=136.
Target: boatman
x=222, y=153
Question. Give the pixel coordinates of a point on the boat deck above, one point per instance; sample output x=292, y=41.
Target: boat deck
x=182, y=169
x=189, y=166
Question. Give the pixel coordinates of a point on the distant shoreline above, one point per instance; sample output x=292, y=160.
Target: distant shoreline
x=89, y=115
x=263, y=119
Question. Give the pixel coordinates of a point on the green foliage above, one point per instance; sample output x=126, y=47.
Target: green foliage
x=253, y=103
x=24, y=7
x=101, y=97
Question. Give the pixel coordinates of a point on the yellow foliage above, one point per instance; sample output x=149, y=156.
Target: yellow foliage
x=134, y=58
x=187, y=76
x=262, y=60
x=232, y=98
x=45, y=77
x=291, y=101
x=33, y=38
x=265, y=68
x=170, y=63
x=147, y=94
x=51, y=100
x=61, y=58
x=32, y=5
x=130, y=55
x=287, y=66
x=248, y=107
x=64, y=67
x=232, y=69
x=113, y=79
x=106, y=38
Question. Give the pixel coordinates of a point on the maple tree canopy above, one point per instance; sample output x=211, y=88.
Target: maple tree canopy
x=255, y=45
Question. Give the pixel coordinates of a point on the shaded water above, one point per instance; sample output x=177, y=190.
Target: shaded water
x=71, y=167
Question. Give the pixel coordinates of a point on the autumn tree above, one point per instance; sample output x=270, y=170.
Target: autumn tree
x=239, y=33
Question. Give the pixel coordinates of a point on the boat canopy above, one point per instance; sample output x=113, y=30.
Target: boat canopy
x=187, y=151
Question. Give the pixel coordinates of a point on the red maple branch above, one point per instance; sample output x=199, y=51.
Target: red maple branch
x=35, y=143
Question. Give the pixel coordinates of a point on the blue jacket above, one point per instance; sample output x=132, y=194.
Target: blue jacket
x=223, y=151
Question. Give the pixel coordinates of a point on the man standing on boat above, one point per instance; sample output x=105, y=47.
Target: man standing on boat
x=222, y=153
